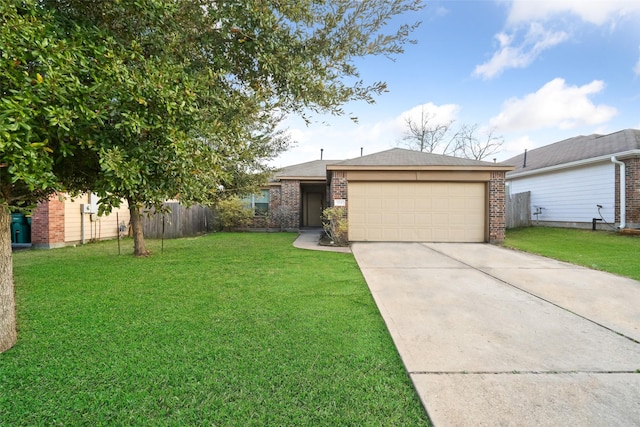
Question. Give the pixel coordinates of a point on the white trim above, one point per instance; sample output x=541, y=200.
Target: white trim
x=584, y=162
x=623, y=195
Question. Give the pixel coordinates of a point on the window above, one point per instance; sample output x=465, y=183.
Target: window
x=258, y=202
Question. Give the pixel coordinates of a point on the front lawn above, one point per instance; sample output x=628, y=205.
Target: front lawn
x=225, y=330
x=600, y=250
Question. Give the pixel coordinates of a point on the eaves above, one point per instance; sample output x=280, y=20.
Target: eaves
x=575, y=164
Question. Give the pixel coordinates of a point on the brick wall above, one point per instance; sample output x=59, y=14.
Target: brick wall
x=338, y=186
x=497, y=207
x=274, y=206
x=290, y=200
x=632, y=190
x=47, y=224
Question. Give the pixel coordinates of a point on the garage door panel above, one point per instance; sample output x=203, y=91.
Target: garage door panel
x=424, y=235
x=357, y=234
x=440, y=203
x=373, y=203
x=407, y=219
x=436, y=212
x=423, y=204
x=423, y=219
x=390, y=217
x=405, y=204
x=441, y=220
x=373, y=219
x=374, y=234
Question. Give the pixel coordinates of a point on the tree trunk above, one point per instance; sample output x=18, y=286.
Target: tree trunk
x=136, y=226
x=8, y=331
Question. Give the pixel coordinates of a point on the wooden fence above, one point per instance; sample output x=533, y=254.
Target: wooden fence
x=518, y=210
x=179, y=222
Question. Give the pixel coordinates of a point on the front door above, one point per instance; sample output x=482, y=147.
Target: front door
x=312, y=210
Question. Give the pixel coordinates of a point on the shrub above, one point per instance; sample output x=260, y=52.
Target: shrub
x=335, y=224
x=233, y=213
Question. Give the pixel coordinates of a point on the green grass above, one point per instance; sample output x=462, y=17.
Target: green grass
x=225, y=329
x=600, y=250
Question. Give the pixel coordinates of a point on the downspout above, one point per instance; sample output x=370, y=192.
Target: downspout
x=623, y=195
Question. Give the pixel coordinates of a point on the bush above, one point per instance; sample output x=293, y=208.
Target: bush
x=335, y=224
x=233, y=213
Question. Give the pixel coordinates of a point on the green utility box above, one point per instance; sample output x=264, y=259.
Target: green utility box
x=20, y=229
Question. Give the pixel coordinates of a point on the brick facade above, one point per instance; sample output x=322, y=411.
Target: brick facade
x=632, y=190
x=497, y=207
x=47, y=224
x=338, y=186
x=287, y=202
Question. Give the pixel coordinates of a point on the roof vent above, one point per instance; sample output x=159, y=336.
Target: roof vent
x=524, y=163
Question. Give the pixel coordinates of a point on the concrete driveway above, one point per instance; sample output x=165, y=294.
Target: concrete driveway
x=491, y=336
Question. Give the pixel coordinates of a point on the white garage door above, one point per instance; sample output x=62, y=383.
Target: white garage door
x=417, y=211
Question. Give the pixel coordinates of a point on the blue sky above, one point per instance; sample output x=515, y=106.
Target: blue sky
x=533, y=71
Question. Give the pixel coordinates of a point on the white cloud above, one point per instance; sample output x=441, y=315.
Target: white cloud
x=514, y=146
x=547, y=27
x=511, y=55
x=593, y=11
x=554, y=105
x=437, y=114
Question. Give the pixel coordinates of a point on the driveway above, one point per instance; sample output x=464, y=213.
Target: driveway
x=491, y=336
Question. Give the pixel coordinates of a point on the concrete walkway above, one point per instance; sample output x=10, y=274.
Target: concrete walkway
x=310, y=239
x=491, y=336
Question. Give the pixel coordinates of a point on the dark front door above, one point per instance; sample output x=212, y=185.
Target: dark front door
x=312, y=210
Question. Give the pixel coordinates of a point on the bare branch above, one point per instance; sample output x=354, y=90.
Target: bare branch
x=425, y=134
x=470, y=145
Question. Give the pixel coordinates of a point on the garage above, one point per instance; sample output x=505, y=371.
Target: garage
x=402, y=195
x=417, y=211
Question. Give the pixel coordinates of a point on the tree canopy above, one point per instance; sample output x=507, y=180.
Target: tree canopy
x=205, y=83
x=159, y=99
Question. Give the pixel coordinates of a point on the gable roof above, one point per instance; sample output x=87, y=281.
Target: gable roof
x=315, y=169
x=410, y=159
x=574, y=150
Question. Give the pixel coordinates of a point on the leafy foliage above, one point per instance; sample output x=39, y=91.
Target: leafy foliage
x=233, y=213
x=52, y=93
x=52, y=87
x=159, y=99
x=336, y=225
x=206, y=83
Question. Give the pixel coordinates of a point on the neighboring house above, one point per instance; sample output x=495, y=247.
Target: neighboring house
x=396, y=195
x=62, y=221
x=578, y=179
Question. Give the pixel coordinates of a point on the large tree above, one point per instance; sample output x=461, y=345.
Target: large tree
x=208, y=80
x=429, y=134
x=158, y=99
x=52, y=88
x=472, y=143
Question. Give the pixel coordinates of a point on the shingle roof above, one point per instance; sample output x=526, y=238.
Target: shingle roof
x=404, y=157
x=576, y=149
x=314, y=169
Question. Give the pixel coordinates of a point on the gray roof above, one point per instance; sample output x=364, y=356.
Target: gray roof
x=404, y=157
x=576, y=149
x=314, y=169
